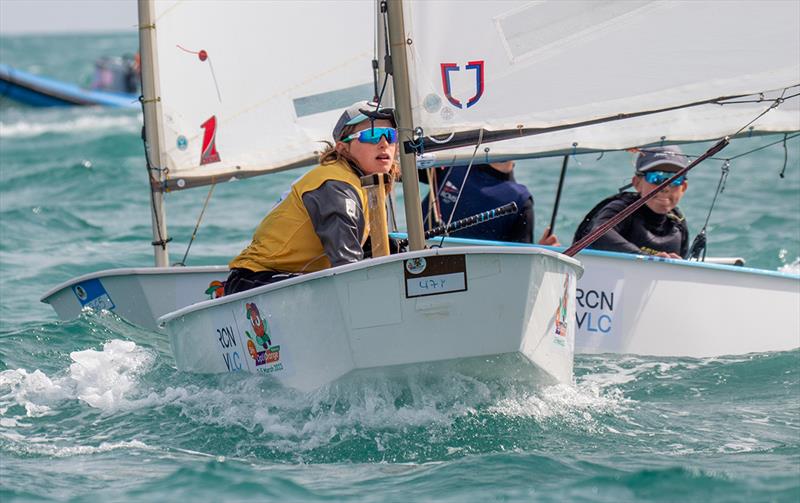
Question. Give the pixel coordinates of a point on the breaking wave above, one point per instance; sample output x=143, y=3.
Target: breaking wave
x=105, y=123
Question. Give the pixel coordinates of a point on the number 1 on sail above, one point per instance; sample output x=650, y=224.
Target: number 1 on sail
x=209, y=153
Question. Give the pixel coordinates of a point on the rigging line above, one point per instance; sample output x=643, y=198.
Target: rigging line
x=775, y=103
x=387, y=58
x=558, y=196
x=756, y=101
x=197, y=225
x=150, y=168
x=463, y=182
x=726, y=167
x=375, y=65
x=786, y=137
x=204, y=56
x=700, y=244
x=782, y=174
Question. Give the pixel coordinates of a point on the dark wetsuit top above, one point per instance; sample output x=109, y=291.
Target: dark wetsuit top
x=486, y=189
x=645, y=232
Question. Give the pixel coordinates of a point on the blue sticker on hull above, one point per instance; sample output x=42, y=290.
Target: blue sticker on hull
x=91, y=294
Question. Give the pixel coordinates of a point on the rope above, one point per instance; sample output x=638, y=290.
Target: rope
x=153, y=182
x=197, y=225
x=786, y=137
x=775, y=103
x=699, y=245
x=387, y=60
x=785, y=157
x=463, y=182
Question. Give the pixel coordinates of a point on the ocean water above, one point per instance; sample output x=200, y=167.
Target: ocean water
x=93, y=409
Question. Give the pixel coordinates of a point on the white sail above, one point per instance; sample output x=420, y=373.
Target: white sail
x=518, y=65
x=249, y=87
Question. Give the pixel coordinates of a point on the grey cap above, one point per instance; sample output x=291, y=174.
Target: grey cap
x=652, y=157
x=354, y=114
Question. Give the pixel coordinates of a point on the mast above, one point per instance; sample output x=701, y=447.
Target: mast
x=402, y=99
x=151, y=107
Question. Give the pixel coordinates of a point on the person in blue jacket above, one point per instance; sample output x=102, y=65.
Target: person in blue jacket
x=488, y=186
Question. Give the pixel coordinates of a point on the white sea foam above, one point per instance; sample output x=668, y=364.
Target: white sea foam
x=59, y=451
x=383, y=406
x=84, y=124
x=791, y=268
x=34, y=391
x=625, y=370
x=99, y=378
x=102, y=378
x=574, y=404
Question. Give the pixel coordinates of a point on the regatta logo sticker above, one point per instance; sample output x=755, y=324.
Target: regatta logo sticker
x=259, y=344
x=93, y=295
x=416, y=265
x=561, y=324
x=209, y=153
x=448, y=68
x=216, y=289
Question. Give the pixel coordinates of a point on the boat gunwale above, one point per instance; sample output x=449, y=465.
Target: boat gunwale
x=369, y=263
x=620, y=255
x=130, y=271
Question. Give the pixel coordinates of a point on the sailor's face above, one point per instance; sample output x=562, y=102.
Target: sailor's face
x=373, y=158
x=666, y=200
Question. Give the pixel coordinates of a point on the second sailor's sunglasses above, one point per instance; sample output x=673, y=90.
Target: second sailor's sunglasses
x=373, y=135
x=659, y=177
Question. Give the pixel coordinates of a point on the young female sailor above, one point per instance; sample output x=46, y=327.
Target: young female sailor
x=323, y=219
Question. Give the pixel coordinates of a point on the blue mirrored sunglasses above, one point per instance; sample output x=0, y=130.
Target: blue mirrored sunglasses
x=659, y=177
x=373, y=135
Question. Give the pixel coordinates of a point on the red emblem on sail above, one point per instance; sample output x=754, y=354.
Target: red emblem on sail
x=209, y=153
x=476, y=66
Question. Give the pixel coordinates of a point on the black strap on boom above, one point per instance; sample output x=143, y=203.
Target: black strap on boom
x=463, y=223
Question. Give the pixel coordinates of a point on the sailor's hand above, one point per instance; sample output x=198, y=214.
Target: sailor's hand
x=548, y=239
x=396, y=246
x=668, y=255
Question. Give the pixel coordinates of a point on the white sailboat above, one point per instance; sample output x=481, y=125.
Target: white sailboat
x=590, y=76
x=424, y=306
x=613, y=69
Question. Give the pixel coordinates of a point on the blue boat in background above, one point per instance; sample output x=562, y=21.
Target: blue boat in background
x=115, y=84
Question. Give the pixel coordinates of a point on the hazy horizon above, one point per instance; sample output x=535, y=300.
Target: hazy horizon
x=54, y=17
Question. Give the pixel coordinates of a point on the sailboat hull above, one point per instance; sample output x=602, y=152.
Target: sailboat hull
x=140, y=295
x=644, y=305
x=464, y=303
x=624, y=303
x=38, y=91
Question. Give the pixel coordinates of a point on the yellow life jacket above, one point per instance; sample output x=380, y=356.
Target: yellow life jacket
x=285, y=240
